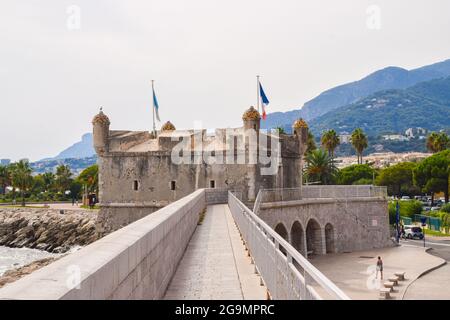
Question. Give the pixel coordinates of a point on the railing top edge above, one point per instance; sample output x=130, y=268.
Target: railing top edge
x=329, y=286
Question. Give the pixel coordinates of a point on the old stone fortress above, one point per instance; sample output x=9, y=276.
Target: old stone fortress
x=137, y=176
x=210, y=230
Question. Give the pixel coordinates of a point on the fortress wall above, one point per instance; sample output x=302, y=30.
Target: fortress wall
x=358, y=223
x=135, y=262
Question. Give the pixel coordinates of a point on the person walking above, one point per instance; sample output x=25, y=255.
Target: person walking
x=379, y=268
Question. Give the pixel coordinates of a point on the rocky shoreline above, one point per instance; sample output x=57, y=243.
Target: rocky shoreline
x=47, y=229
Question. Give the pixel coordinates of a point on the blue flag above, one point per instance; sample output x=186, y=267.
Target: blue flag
x=155, y=105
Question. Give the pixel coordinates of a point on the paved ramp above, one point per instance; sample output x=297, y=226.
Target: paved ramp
x=215, y=264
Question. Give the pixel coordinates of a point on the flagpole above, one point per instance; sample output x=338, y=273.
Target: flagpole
x=257, y=93
x=153, y=101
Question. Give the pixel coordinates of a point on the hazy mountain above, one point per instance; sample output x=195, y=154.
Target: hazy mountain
x=81, y=149
x=388, y=78
x=425, y=105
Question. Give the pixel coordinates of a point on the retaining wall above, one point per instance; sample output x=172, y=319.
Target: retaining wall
x=135, y=262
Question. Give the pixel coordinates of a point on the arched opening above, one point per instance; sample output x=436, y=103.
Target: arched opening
x=298, y=237
x=314, y=245
x=282, y=231
x=329, y=238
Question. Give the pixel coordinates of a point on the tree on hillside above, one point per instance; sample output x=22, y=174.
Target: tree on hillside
x=330, y=141
x=398, y=179
x=355, y=174
x=437, y=142
x=21, y=177
x=359, y=142
x=432, y=174
x=311, y=143
x=5, y=178
x=320, y=167
x=63, y=178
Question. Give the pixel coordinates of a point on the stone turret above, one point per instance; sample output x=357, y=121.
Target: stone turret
x=300, y=130
x=251, y=118
x=101, y=132
x=168, y=126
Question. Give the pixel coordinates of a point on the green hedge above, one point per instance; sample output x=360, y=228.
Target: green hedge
x=407, y=209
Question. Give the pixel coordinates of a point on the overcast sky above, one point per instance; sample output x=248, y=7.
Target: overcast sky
x=203, y=54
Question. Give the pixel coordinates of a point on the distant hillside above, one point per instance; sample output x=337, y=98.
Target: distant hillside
x=385, y=79
x=76, y=164
x=425, y=105
x=281, y=119
x=81, y=149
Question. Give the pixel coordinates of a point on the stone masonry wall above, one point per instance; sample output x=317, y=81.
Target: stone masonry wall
x=357, y=223
x=135, y=262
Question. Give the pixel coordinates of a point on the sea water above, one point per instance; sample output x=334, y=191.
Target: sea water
x=12, y=258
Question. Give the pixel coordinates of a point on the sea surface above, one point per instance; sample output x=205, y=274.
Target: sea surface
x=12, y=258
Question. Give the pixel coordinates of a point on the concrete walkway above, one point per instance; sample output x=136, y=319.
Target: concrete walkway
x=215, y=264
x=432, y=286
x=354, y=272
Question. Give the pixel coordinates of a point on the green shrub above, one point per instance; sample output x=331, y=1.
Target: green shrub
x=446, y=208
x=407, y=209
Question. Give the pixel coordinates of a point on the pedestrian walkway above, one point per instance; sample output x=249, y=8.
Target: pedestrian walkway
x=215, y=264
x=355, y=272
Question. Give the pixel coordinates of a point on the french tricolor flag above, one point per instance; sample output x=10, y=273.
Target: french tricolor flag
x=264, y=101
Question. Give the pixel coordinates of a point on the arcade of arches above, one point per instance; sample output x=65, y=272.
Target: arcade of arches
x=312, y=240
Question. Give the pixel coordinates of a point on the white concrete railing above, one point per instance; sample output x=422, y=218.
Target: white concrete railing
x=325, y=191
x=134, y=262
x=285, y=272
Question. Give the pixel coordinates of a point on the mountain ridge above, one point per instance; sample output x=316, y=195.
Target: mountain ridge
x=387, y=78
x=426, y=105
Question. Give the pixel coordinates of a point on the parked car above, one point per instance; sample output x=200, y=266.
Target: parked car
x=405, y=198
x=413, y=232
x=426, y=208
x=435, y=208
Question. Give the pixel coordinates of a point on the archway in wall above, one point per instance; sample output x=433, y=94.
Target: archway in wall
x=298, y=237
x=329, y=238
x=314, y=238
x=282, y=231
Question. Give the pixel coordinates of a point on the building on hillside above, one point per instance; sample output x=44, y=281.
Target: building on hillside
x=345, y=138
x=416, y=132
x=395, y=137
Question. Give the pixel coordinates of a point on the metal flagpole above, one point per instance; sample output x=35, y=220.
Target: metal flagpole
x=153, y=101
x=257, y=93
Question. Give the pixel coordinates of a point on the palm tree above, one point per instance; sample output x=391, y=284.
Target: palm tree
x=311, y=143
x=89, y=178
x=437, y=142
x=5, y=178
x=21, y=178
x=49, y=180
x=63, y=178
x=330, y=141
x=320, y=167
x=359, y=142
